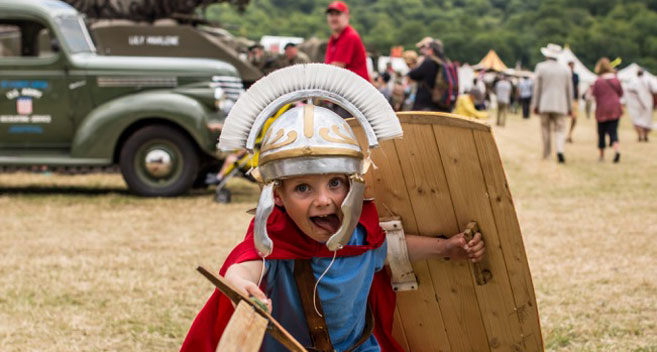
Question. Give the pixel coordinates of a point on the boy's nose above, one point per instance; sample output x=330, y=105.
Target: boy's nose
x=323, y=198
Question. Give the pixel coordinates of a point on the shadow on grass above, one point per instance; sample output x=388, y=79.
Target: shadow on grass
x=239, y=194
x=101, y=186
x=62, y=190
x=86, y=190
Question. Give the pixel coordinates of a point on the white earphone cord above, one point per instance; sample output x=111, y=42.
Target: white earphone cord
x=317, y=283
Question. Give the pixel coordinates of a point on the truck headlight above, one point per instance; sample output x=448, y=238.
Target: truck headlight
x=219, y=97
x=226, y=105
x=221, y=101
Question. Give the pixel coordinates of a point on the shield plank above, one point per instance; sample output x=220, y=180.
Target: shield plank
x=443, y=174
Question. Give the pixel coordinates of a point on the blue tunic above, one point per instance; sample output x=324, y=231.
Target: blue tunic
x=343, y=292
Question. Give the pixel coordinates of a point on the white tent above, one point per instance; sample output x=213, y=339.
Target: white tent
x=398, y=64
x=627, y=74
x=466, y=76
x=585, y=75
x=519, y=73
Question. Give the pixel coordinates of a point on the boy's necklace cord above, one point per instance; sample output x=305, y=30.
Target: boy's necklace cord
x=317, y=283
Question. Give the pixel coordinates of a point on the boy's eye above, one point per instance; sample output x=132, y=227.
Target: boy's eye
x=336, y=182
x=302, y=188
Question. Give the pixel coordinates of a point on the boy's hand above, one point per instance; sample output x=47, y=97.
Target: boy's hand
x=253, y=290
x=243, y=275
x=456, y=247
x=250, y=289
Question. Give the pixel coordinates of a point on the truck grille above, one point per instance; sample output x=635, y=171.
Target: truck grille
x=232, y=86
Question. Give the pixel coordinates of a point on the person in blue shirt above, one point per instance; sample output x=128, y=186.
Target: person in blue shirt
x=525, y=89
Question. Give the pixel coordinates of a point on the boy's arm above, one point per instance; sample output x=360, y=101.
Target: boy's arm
x=245, y=276
x=455, y=247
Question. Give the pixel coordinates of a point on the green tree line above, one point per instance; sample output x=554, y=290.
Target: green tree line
x=515, y=29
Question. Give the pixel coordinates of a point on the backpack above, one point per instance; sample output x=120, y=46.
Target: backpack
x=446, y=85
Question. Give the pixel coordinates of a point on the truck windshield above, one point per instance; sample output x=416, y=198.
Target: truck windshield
x=75, y=34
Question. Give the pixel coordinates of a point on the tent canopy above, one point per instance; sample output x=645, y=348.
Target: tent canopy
x=585, y=75
x=628, y=73
x=491, y=62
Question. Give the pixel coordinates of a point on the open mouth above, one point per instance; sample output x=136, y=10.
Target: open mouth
x=328, y=222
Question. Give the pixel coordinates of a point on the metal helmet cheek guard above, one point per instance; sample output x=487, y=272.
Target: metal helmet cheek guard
x=309, y=140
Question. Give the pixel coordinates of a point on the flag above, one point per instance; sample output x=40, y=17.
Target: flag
x=24, y=106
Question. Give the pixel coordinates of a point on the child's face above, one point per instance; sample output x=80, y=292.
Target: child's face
x=314, y=203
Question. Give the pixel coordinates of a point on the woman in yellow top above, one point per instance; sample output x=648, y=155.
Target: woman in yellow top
x=465, y=105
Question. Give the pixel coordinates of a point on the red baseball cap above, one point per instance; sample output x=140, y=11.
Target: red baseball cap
x=338, y=6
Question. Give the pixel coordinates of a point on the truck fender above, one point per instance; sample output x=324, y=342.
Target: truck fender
x=99, y=132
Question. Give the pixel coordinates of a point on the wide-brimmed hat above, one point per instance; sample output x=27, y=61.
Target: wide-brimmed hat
x=410, y=55
x=552, y=51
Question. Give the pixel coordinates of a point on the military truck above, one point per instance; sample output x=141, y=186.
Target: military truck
x=62, y=104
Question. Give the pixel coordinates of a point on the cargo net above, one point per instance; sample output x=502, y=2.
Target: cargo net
x=145, y=10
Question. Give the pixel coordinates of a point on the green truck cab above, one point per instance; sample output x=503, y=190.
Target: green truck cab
x=62, y=104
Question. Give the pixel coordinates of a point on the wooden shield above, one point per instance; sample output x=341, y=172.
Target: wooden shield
x=444, y=173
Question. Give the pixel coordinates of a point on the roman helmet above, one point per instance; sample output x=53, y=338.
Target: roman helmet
x=309, y=139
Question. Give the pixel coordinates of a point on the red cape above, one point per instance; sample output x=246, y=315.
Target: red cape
x=290, y=243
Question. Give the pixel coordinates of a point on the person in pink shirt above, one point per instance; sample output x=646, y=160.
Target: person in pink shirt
x=607, y=92
x=345, y=48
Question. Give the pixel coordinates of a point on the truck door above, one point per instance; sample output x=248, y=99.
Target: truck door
x=34, y=101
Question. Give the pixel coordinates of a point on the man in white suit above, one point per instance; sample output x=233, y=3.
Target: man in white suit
x=553, y=99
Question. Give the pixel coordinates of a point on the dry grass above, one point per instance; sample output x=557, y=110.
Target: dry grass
x=588, y=230
x=84, y=266
x=106, y=271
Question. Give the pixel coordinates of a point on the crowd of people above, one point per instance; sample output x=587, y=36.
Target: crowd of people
x=267, y=61
x=556, y=97
x=432, y=84
x=552, y=94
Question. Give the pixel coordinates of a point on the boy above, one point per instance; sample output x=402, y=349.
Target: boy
x=312, y=215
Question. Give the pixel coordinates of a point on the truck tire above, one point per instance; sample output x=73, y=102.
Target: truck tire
x=159, y=161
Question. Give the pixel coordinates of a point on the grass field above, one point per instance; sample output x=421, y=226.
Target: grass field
x=85, y=266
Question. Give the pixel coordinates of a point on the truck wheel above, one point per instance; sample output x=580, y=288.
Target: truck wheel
x=159, y=161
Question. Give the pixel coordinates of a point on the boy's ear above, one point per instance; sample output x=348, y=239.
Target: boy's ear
x=277, y=198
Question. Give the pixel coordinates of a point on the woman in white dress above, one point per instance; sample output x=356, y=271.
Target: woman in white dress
x=640, y=104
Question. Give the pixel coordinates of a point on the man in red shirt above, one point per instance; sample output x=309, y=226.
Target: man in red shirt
x=345, y=48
